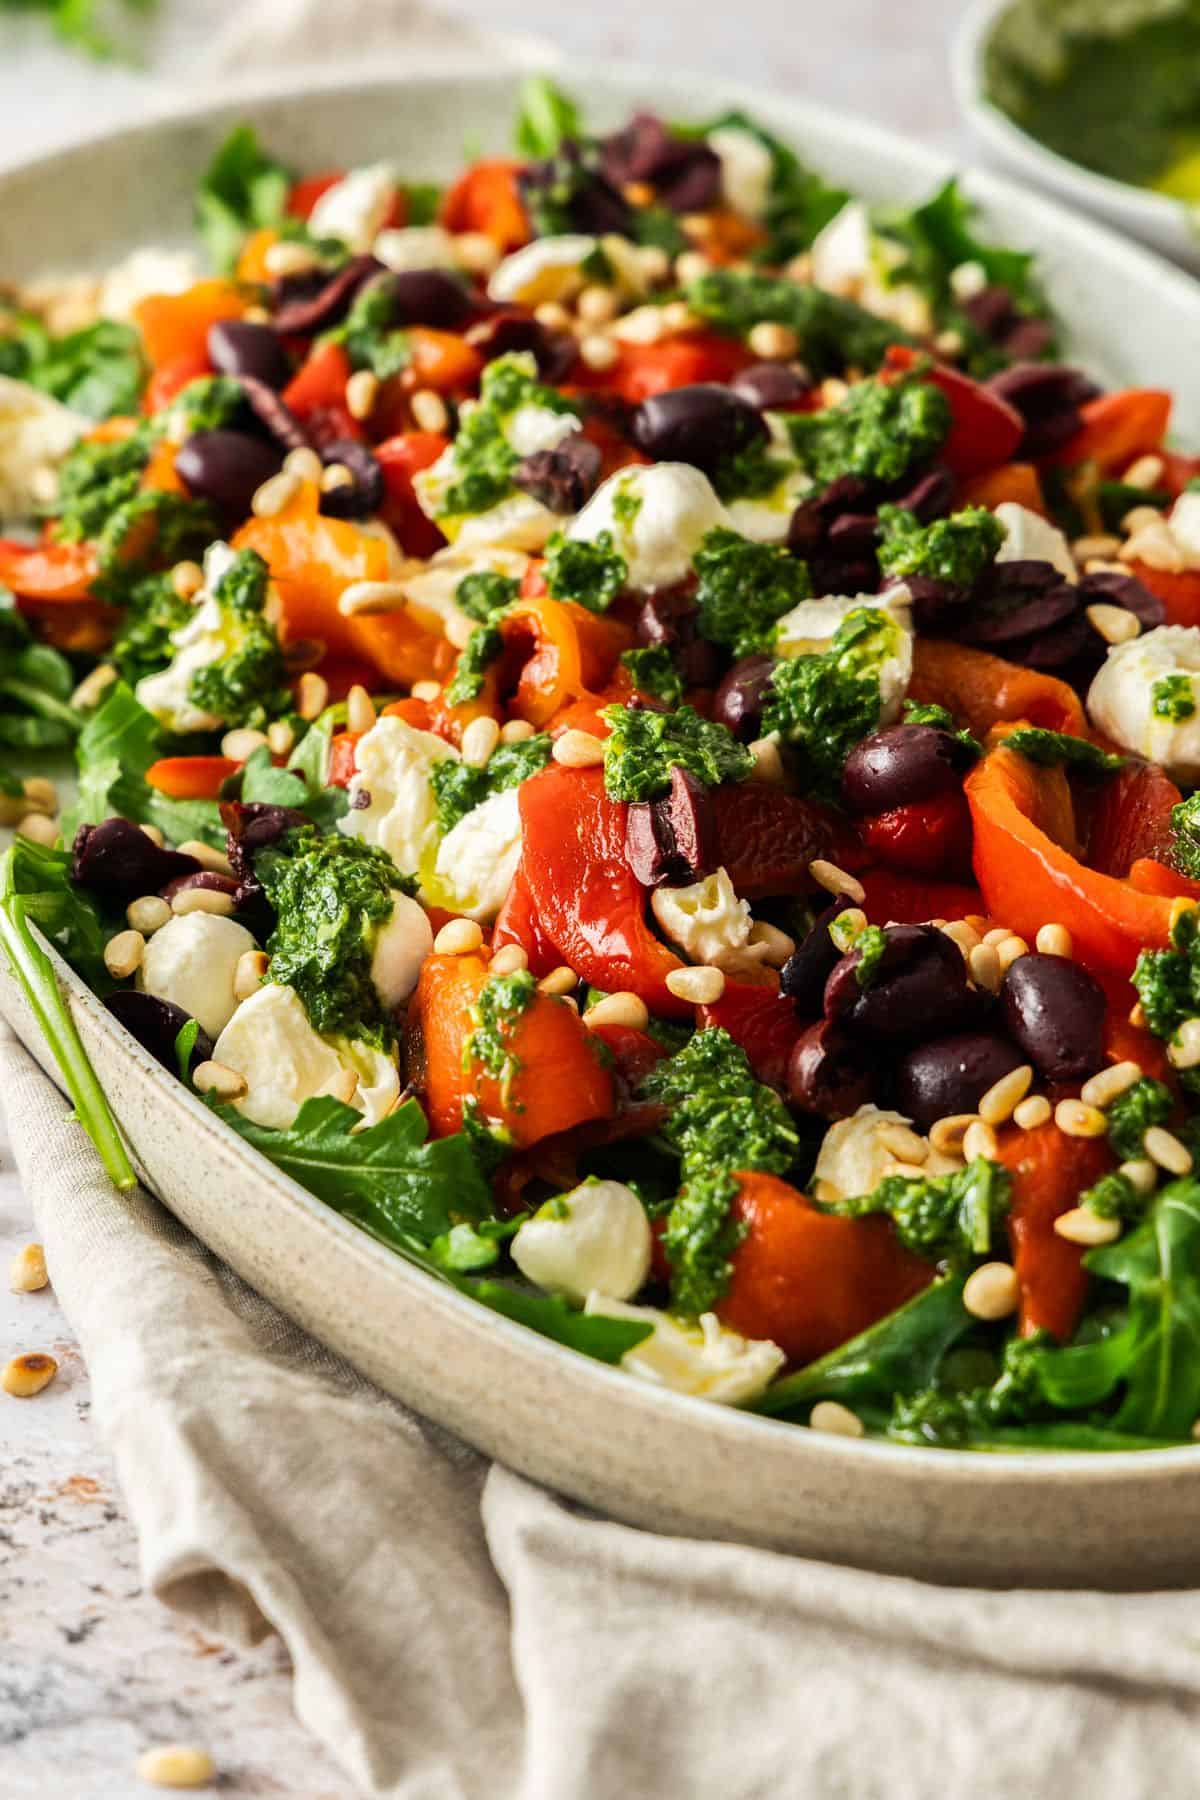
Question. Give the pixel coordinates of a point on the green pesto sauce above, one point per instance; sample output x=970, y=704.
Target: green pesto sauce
x=644, y=746
x=590, y=573
x=502, y=1003
x=1172, y=698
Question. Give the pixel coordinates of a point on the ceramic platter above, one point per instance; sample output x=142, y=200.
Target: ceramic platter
x=650, y=1457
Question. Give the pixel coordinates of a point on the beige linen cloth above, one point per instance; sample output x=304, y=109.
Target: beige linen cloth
x=457, y=1632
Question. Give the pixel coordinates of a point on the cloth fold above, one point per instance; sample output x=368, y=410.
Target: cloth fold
x=456, y=1632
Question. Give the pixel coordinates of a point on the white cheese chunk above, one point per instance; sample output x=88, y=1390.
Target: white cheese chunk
x=393, y=763
x=208, y=637
x=849, y=257
x=532, y=428
x=416, y=247
x=284, y=1062
x=1030, y=538
x=853, y=1158
x=36, y=432
x=657, y=515
x=1140, y=688
x=1184, y=522
x=145, y=272
x=550, y=268
x=746, y=169
x=478, y=857
x=192, y=962
x=706, y=1360
x=707, y=921
x=401, y=946
x=594, y=1239
x=355, y=209
x=430, y=588
x=518, y=522
x=811, y=626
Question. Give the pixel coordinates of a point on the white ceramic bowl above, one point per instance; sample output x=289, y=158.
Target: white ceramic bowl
x=1171, y=226
x=648, y=1456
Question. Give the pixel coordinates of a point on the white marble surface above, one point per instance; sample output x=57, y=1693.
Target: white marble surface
x=91, y=1667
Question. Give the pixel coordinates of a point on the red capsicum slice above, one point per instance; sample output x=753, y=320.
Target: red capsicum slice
x=762, y=1020
x=1131, y=819
x=982, y=690
x=1049, y=1172
x=642, y=370
x=767, y=838
x=191, y=777
x=984, y=431
x=1116, y=429
x=926, y=837
x=1178, y=591
x=49, y=572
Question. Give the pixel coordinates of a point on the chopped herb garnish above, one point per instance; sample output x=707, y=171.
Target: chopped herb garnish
x=955, y=550
x=744, y=588
x=652, y=672
x=879, y=431
x=592, y=573
x=1058, y=749
x=1172, y=697
x=644, y=746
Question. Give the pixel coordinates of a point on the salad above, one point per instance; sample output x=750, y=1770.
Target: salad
x=637, y=732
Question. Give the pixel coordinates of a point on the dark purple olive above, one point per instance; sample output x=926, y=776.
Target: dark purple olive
x=249, y=829
x=1048, y=397
x=227, y=467
x=117, y=859
x=668, y=617
x=771, y=386
x=1055, y=1011
x=209, y=879
x=274, y=414
x=426, y=297
x=236, y=347
x=363, y=494
x=899, y=765
x=508, y=329
x=156, y=1024
x=918, y=988
x=315, y=300
x=812, y=962
x=564, y=478
x=738, y=702
x=930, y=496
x=703, y=425
x=952, y=1074
x=673, y=839
x=828, y=1072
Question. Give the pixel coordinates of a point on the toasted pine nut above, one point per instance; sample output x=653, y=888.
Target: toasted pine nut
x=984, y=965
x=458, y=937
x=838, y=1420
x=1103, y=1088
x=28, y=1374
x=187, y=578
x=960, y=933
x=1155, y=546
x=1004, y=1096
x=701, y=986
x=430, y=691
x=999, y=934
x=690, y=265
x=836, y=881
x=1115, y=624
x=312, y=695
x=360, y=711
x=847, y=926
x=304, y=464
x=598, y=353
x=1142, y=518
x=362, y=391
x=276, y=493
x=217, y=1078
x=1075, y=1118
x=559, y=981
x=252, y=965
x=207, y=856
x=1137, y=1016
x=1183, y=1051
x=154, y=834
x=1008, y=952
x=1079, y=1226
x=476, y=252
x=123, y=953
x=1102, y=543
x=596, y=305
x=286, y=257
x=177, y=1765
x=1141, y=1174
x=1164, y=1148
x=479, y=739
x=777, y=945
x=368, y=598
x=991, y=1291
x=40, y=793
x=206, y=900
x=772, y=341
x=1032, y=1112
x=38, y=829
x=979, y=1140
x=552, y=317
x=1054, y=940
x=619, y=1009
x=508, y=959
x=281, y=737
x=1144, y=472
x=12, y=809
x=429, y=410
x=947, y=1135
x=92, y=688
x=27, y=1271
x=335, y=475
x=676, y=316
x=148, y=913
x=768, y=763
x=241, y=743
x=515, y=731
x=900, y=1142
x=578, y=750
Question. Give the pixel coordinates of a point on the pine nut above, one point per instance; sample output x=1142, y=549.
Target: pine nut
x=991, y=1291
x=1004, y=1096
x=1010, y=949
x=984, y=966
x=1099, y=544
x=559, y=981
x=334, y=476
x=429, y=410
x=978, y=924
x=362, y=391
x=28, y=1374
x=904, y=1144
x=999, y=934
x=1103, y=1088
x=1054, y=940
x=205, y=900
x=1114, y=623
x=598, y=353
x=276, y=493
x=508, y=959
x=838, y=1420
x=597, y=306
x=515, y=732
x=1079, y=1226
x=476, y=252
x=281, y=737
x=1142, y=518
x=154, y=834
x=27, y=1271
x=430, y=691
x=947, y=1135
x=312, y=695
x=1183, y=1051
x=777, y=945
x=1137, y=1016
x=252, y=965
x=241, y=743
x=1145, y=472
x=836, y=881
x=619, y=1009
x=772, y=341
x=1141, y=1174
x=1075, y=1118
x=1032, y=1112
x=960, y=933
x=677, y=316
x=367, y=598
x=1164, y=1148
x=360, y=711
x=1154, y=546
x=210, y=858
x=176, y=1765
x=578, y=750
x=768, y=763
x=846, y=927
x=552, y=317
x=92, y=688
x=690, y=265
x=979, y=1140
x=458, y=937
x=38, y=829
x=217, y=1078
x=457, y=627
x=187, y=578
x=654, y=264
x=40, y=793
x=123, y=954
x=305, y=465
x=147, y=914
x=701, y=986
x=286, y=257
x=479, y=739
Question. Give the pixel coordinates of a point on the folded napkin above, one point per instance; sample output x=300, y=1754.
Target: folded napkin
x=456, y=1631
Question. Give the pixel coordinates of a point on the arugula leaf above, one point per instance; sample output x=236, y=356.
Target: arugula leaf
x=117, y=745
x=98, y=370
x=242, y=189
x=35, y=688
x=546, y=116
x=301, y=784
x=1058, y=749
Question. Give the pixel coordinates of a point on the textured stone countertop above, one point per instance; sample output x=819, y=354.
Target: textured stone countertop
x=92, y=1669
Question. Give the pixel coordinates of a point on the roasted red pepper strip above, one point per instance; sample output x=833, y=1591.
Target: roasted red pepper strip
x=762, y=1020
x=766, y=839
x=1049, y=1171
x=985, y=430
x=1179, y=593
x=906, y=900
x=926, y=837
x=49, y=572
x=191, y=777
x=982, y=690
x=401, y=458
x=642, y=370
x=1132, y=819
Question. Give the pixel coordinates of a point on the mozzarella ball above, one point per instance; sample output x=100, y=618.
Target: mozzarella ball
x=478, y=857
x=706, y=1360
x=853, y=1158
x=284, y=1062
x=550, y=268
x=192, y=962
x=430, y=588
x=518, y=522
x=707, y=921
x=657, y=516
x=747, y=167
x=145, y=272
x=812, y=626
x=355, y=209
x=393, y=763
x=35, y=432
x=1146, y=697
x=594, y=1239
x=1030, y=538
x=1184, y=522
x=401, y=946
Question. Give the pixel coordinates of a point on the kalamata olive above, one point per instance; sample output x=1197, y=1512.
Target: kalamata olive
x=510, y=328
x=118, y=860
x=274, y=414
x=426, y=297
x=812, y=962
x=930, y=495
x=771, y=386
x=952, y=1074
x=1055, y=1011
x=249, y=829
x=828, y=1072
x=562, y=478
x=673, y=839
x=363, y=494
x=236, y=347
x=156, y=1024
x=210, y=879
x=703, y=425
x=226, y=467
x=312, y=301
x=917, y=988
x=899, y=765
x=738, y=702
